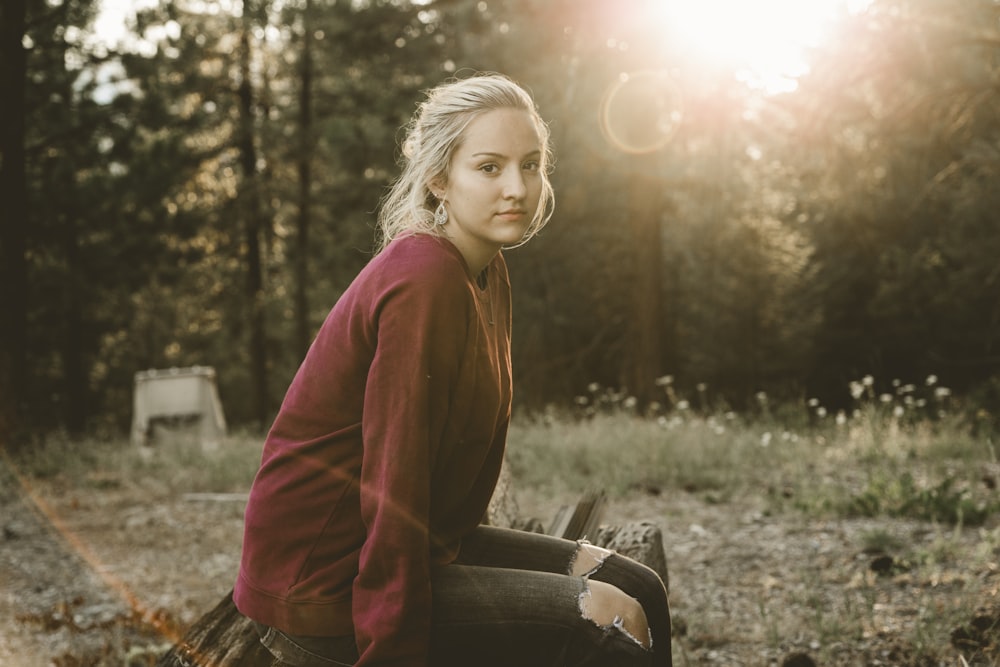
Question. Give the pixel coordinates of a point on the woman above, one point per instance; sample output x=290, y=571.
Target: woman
x=363, y=543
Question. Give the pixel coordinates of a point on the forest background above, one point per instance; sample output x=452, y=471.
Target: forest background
x=203, y=191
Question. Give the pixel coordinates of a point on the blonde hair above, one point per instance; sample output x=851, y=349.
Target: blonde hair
x=431, y=138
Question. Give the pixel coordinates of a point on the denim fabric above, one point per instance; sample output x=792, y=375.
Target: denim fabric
x=296, y=651
x=509, y=600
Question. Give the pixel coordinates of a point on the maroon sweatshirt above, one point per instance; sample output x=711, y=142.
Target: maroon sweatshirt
x=385, y=452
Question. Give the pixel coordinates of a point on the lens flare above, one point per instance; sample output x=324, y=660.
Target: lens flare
x=641, y=111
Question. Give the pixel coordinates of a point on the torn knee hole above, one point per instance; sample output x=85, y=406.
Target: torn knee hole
x=608, y=607
x=588, y=559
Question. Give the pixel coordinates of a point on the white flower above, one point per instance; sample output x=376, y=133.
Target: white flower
x=932, y=380
x=765, y=439
x=593, y=387
x=885, y=398
x=898, y=411
x=942, y=392
x=664, y=380
x=857, y=390
x=701, y=387
x=683, y=405
x=868, y=381
x=813, y=402
x=841, y=418
x=821, y=412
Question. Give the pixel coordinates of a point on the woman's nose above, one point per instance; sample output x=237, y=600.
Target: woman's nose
x=514, y=185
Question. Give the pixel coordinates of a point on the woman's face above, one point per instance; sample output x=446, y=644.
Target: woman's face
x=494, y=184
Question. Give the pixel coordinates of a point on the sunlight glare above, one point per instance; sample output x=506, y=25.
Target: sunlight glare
x=762, y=42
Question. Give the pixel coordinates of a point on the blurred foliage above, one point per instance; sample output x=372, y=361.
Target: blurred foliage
x=783, y=242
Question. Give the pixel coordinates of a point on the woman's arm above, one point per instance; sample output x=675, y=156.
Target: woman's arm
x=422, y=327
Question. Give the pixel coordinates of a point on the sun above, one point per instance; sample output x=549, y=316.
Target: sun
x=762, y=41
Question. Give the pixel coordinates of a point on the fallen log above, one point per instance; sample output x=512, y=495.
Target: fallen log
x=225, y=638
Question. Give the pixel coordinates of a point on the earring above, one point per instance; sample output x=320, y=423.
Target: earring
x=440, y=214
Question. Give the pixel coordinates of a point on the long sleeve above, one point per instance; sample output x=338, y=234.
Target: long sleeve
x=422, y=330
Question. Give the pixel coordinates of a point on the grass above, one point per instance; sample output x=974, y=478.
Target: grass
x=873, y=464
x=170, y=465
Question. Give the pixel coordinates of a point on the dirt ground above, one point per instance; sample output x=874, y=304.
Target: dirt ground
x=107, y=573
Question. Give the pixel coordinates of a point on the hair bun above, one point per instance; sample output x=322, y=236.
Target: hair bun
x=412, y=143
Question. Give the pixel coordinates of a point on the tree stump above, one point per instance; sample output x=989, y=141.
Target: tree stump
x=221, y=638
x=639, y=540
x=225, y=638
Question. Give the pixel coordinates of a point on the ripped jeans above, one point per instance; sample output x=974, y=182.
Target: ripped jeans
x=519, y=598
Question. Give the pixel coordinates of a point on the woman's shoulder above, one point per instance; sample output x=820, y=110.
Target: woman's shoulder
x=422, y=257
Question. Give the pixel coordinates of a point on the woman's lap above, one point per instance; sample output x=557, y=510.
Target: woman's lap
x=508, y=587
x=512, y=597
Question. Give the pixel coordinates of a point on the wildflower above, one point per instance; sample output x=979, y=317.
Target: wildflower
x=664, y=380
x=885, y=398
x=906, y=389
x=762, y=397
x=683, y=405
x=631, y=402
x=898, y=411
x=868, y=381
x=593, y=387
x=813, y=402
x=765, y=439
x=857, y=390
x=821, y=412
x=942, y=393
x=932, y=380
x=701, y=387
x=730, y=416
x=896, y=382
x=581, y=400
x=841, y=418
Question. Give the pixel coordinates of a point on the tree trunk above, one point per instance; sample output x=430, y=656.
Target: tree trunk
x=74, y=375
x=251, y=211
x=303, y=334
x=644, y=363
x=13, y=222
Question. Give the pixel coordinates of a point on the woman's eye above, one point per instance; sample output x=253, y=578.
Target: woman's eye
x=533, y=165
x=489, y=168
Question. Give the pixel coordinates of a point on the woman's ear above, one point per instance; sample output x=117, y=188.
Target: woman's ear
x=437, y=186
